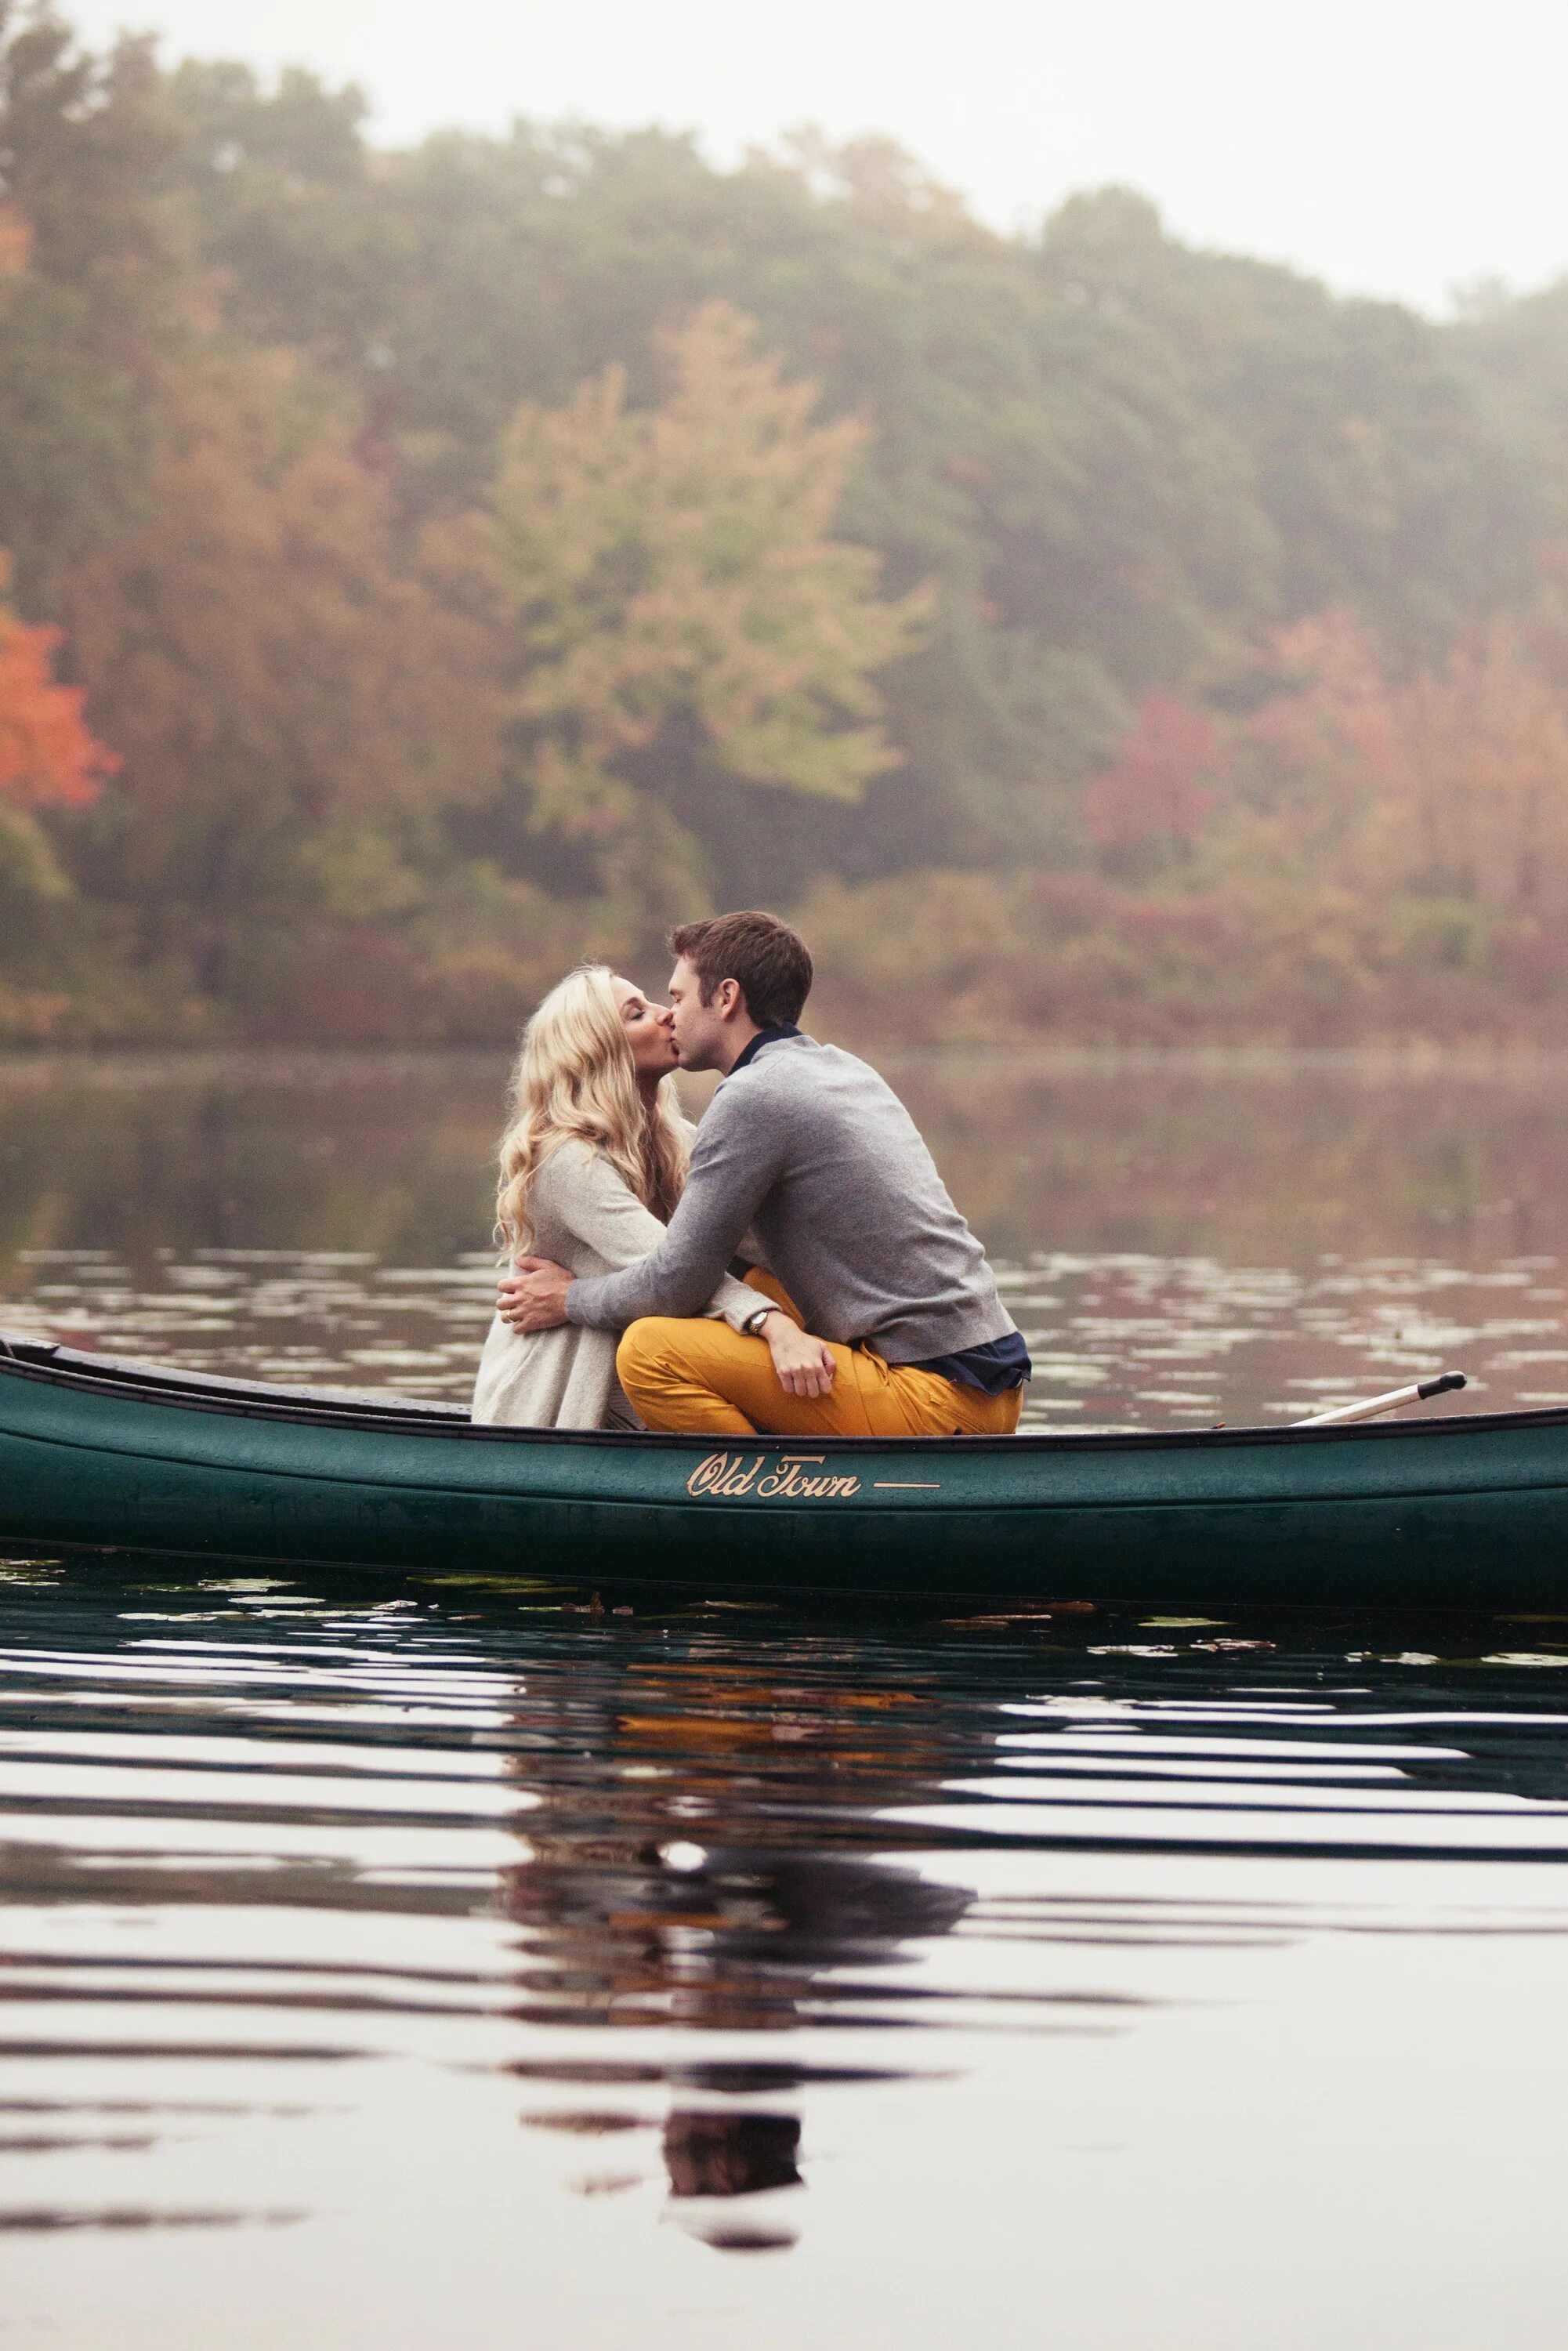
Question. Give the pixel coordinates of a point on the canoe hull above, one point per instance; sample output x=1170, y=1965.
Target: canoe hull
x=1469, y=1511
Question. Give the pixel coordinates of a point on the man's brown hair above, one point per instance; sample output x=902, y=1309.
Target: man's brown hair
x=769, y=962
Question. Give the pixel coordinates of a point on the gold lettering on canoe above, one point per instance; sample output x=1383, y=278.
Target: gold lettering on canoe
x=789, y=1480
x=723, y=1473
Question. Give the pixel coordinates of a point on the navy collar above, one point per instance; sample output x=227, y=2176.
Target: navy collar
x=764, y=1036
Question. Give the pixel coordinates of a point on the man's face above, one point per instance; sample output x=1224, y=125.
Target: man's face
x=700, y=1028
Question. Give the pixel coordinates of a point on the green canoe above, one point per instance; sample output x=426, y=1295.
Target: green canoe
x=104, y=1455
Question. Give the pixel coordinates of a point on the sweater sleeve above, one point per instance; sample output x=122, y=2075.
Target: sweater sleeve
x=594, y=1203
x=749, y=1250
x=734, y=1161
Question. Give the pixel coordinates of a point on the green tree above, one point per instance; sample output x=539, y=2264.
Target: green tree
x=683, y=613
x=97, y=303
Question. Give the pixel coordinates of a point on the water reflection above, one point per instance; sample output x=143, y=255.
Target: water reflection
x=312, y=1887
x=647, y=1901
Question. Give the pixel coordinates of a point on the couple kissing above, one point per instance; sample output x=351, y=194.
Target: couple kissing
x=792, y=1267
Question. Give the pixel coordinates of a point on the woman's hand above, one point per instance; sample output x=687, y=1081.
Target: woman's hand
x=805, y=1366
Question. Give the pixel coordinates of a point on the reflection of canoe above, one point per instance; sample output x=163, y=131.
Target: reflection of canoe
x=102, y=1455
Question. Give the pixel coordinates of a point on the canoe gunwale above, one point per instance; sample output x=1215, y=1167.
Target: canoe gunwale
x=70, y=1373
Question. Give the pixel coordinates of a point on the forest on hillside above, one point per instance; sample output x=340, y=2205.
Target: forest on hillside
x=420, y=568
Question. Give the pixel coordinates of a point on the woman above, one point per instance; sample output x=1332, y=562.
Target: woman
x=592, y=1165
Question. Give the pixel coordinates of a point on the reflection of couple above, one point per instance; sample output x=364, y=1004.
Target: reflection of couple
x=686, y=1895
x=806, y=1166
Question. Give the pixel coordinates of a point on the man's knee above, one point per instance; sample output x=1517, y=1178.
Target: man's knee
x=645, y=1351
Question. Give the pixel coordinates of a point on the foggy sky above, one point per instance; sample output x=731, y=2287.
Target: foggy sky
x=1395, y=147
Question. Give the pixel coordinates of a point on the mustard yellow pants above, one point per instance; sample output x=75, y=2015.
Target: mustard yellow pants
x=701, y=1377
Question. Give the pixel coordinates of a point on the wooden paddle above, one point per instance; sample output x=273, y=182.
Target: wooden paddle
x=1416, y=1392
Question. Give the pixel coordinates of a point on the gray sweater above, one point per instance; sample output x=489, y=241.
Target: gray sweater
x=814, y=1152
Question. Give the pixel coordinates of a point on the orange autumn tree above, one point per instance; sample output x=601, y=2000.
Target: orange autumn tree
x=295, y=711
x=1386, y=848
x=1485, y=816
x=49, y=759
x=47, y=756
x=1435, y=802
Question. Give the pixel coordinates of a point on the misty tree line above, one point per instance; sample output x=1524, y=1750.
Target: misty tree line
x=425, y=567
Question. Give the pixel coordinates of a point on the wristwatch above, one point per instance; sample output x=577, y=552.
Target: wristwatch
x=752, y=1326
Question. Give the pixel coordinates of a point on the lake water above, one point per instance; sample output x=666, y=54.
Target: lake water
x=443, y=1962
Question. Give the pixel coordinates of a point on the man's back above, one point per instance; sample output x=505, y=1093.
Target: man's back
x=810, y=1148
x=859, y=1226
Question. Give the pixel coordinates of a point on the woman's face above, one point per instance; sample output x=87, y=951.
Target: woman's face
x=650, y=1031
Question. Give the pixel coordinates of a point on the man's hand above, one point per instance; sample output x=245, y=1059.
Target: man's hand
x=533, y=1295
x=805, y=1366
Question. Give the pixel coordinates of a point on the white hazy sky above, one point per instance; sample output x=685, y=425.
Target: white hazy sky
x=1398, y=147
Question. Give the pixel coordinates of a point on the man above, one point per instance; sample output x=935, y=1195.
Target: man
x=807, y=1147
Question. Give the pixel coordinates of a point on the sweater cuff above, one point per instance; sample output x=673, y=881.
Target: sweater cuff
x=739, y=1312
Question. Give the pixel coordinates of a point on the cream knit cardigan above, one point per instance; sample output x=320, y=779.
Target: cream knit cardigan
x=585, y=1218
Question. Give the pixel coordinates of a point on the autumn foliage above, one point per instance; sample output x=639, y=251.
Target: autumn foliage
x=1347, y=856
x=1159, y=788
x=48, y=758
x=428, y=568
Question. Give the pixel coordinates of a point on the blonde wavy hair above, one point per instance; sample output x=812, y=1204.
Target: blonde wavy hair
x=574, y=1081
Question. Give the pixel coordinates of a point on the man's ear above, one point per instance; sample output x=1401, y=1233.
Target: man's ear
x=727, y=999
